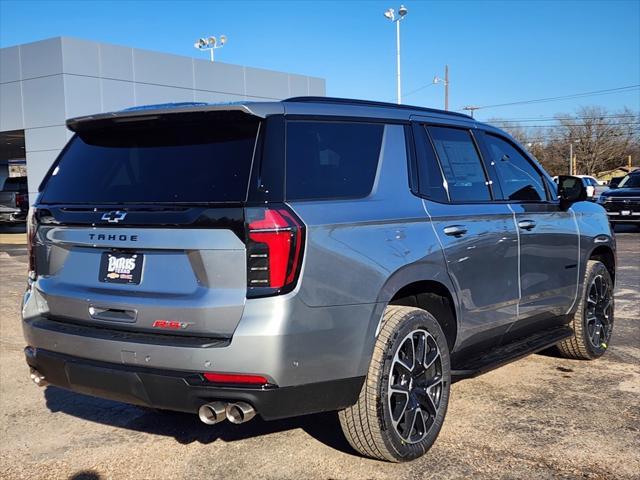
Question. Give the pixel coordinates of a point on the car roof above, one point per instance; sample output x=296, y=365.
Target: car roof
x=325, y=106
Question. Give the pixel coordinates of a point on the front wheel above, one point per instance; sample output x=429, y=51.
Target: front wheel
x=404, y=400
x=593, y=321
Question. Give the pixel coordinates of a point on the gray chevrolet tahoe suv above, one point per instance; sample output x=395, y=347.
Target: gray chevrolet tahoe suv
x=309, y=255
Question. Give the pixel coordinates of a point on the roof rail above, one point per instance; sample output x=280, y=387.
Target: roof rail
x=372, y=103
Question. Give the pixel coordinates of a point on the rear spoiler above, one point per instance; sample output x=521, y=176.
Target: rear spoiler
x=171, y=111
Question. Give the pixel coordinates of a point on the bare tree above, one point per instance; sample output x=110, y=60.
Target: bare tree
x=601, y=140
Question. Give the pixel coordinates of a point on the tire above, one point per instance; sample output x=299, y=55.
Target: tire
x=375, y=426
x=586, y=343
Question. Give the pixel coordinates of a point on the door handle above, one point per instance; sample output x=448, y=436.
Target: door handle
x=527, y=224
x=455, y=230
x=113, y=314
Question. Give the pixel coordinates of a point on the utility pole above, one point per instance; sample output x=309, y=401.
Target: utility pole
x=570, y=158
x=446, y=87
x=445, y=82
x=471, y=108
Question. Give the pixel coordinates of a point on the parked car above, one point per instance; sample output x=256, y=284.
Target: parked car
x=14, y=200
x=594, y=186
x=591, y=186
x=622, y=202
x=307, y=255
x=614, y=182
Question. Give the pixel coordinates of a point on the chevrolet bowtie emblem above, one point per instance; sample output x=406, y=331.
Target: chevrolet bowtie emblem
x=114, y=216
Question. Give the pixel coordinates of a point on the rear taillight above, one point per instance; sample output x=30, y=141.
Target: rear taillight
x=275, y=238
x=22, y=200
x=32, y=226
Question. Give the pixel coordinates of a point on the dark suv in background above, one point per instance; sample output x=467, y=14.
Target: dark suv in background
x=622, y=201
x=14, y=200
x=314, y=254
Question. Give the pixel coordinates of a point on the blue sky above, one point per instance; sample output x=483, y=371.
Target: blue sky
x=497, y=51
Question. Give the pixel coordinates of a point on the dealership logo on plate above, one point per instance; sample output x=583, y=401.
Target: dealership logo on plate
x=121, y=267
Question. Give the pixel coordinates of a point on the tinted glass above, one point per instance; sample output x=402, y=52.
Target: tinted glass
x=15, y=184
x=331, y=159
x=518, y=177
x=630, y=181
x=461, y=164
x=156, y=163
x=431, y=183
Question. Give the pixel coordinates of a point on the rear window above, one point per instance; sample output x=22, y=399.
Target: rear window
x=331, y=159
x=15, y=184
x=156, y=162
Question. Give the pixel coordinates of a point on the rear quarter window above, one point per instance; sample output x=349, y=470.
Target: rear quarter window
x=461, y=164
x=328, y=160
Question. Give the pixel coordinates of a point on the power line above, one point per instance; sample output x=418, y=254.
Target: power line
x=411, y=92
x=559, y=126
x=556, y=119
x=593, y=93
x=550, y=136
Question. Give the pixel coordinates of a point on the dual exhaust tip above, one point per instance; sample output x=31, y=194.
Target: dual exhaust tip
x=38, y=378
x=209, y=413
x=216, y=412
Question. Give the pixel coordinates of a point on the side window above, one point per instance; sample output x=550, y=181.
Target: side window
x=518, y=178
x=331, y=159
x=460, y=164
x=430, y=181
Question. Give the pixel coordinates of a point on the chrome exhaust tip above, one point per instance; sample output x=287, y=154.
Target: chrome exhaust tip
x=38, y=378
x=212, y=413
x=240, y=412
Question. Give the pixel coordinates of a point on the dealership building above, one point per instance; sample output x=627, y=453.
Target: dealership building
x=44, y=83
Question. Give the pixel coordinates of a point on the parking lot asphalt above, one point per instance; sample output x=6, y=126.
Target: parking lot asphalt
x=540, y=417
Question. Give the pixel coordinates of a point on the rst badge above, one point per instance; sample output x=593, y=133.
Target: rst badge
x=121, y=268
x=171, y=324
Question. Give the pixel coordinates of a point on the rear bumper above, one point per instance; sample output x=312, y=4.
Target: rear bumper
x=186, y=391
x=279, y=338
x=13, y=217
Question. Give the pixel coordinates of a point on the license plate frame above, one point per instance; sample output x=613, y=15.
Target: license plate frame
x=121, y=267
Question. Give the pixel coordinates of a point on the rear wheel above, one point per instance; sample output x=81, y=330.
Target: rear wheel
x=593, y=321
x=404, y=400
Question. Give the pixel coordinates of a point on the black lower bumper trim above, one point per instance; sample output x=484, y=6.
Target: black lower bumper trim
x=172, y=390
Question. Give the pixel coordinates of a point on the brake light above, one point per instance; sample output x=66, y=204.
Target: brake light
x=236, y=378
x=22, y=199
x=32, y=227
x=275, y=239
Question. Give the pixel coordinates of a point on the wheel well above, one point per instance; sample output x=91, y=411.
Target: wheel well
x=435, y=298
x=605, y=255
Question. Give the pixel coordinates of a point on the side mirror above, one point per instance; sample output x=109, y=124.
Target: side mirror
x=570, y=190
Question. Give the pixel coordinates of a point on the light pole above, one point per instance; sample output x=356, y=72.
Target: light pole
x=211, y=44
x=390, y=14
x=445, y=82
